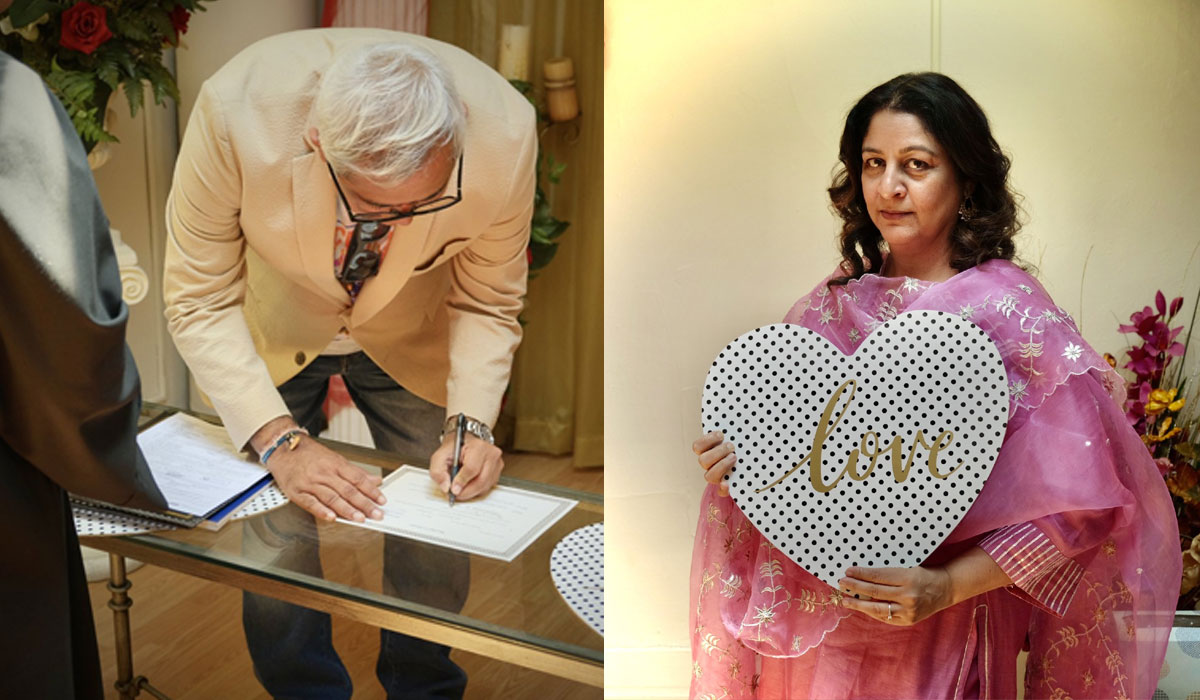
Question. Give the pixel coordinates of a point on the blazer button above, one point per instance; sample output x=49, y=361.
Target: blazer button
x=300, y=358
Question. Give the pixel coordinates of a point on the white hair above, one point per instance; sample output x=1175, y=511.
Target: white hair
x=382, y=109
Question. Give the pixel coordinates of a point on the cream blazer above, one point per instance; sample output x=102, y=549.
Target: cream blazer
x=251, y=296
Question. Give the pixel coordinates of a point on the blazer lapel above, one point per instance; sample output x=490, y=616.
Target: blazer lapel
x=397, y=266
x=313, y=206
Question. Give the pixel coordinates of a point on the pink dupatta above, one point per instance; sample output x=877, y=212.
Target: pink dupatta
x=1070, y=466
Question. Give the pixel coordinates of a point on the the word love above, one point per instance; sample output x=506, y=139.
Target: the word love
x=869, y=447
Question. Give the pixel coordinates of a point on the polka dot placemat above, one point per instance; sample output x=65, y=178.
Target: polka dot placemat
x=268, y=499
x=99, y=523
x=577, y=568
x=867, y=459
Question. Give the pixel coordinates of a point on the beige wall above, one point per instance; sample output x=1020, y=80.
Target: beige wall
x=133, y=186
x=134, y=183
x=721, y=131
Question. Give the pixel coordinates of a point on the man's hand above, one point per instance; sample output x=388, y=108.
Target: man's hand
x=320, y=480
x=479, y=472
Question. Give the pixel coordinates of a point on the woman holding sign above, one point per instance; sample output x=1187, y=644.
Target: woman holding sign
x=1071, y=546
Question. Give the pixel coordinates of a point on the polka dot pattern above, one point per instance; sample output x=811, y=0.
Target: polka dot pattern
x=869, y=459
x=1188, y=639
x=577, y=568
x=99, y=523
x=268, y=499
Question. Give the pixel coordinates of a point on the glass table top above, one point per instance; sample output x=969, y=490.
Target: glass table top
x=514, y=601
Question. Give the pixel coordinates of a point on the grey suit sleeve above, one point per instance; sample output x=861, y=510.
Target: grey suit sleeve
x=69, y=389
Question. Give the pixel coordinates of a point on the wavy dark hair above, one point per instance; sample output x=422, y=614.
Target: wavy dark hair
x=952, y=117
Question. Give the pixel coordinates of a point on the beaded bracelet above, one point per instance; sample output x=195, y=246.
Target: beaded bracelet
x=290, y=437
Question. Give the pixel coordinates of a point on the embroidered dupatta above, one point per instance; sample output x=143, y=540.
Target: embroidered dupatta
x=1070, y=465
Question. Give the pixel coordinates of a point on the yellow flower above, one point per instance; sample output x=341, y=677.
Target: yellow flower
x=1165, y=431
x=1161, y=399
x=29, y=32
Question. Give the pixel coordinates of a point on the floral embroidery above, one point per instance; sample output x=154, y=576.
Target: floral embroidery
x=911, y=285
x=712, y=643
x=886, y=312
x=1019, y=388
x=1096, y=642
x=1007, y=305
x=967, y=312
x=1072, y=352
x=1030, y=350
x=765, y=614
x=731, y=586
x=1025, y=288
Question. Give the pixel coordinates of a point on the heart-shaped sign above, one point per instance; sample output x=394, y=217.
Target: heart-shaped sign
x=869, y=459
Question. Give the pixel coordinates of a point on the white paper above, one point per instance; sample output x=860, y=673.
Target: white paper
x=196, y=467
x=499, y=525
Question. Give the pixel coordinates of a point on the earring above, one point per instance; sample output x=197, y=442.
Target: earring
x=966, y=210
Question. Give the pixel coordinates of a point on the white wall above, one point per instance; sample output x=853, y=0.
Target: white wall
x=721, y=129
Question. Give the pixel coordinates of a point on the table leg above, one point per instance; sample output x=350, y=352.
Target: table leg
x=118, y=585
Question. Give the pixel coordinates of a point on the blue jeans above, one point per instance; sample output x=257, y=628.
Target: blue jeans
x=292, y=646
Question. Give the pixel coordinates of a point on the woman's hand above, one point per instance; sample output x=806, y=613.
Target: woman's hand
x=716, y=458
x=904, y=597
x=897, y=596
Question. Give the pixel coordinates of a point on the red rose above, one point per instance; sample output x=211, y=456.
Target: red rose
x=179, y=20
x=84, y=27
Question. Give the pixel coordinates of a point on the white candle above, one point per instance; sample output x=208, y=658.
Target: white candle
x=514, y=52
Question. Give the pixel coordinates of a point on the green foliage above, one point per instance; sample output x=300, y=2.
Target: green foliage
x=545, y=228
x=32, y=31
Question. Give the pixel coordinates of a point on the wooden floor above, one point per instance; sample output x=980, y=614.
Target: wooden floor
x=188, y=640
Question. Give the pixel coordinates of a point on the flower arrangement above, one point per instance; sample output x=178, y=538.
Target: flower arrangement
x=1159, y=409
x=86, y=51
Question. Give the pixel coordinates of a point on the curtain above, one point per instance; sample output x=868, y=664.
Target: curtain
x=555, y=402
x=404, y=15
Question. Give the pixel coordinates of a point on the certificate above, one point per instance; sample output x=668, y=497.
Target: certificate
x=499, y=525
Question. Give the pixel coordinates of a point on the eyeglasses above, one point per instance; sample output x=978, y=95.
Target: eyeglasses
x=433, y=205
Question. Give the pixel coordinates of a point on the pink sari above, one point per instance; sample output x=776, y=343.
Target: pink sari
x=1071, y=471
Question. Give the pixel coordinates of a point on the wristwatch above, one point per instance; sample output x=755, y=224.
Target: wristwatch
x=474, y=426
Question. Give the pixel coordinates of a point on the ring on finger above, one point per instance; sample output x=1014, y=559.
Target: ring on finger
x=889, y=617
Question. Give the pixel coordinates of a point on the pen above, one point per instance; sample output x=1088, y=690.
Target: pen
x=459, y=429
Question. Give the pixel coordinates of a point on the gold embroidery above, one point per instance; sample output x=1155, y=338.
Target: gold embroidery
x=712, y=643
x=737, y=537
x=1041, y=670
